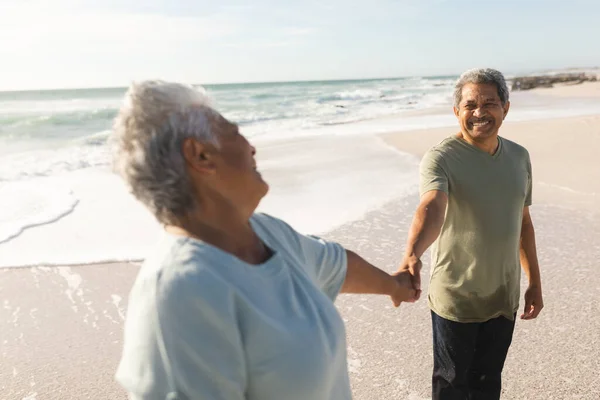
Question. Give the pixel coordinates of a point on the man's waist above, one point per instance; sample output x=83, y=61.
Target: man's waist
x=473, y=303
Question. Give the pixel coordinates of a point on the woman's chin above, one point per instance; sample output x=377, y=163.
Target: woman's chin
x=265, y=187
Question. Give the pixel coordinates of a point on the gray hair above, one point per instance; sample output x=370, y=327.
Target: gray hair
x=147, y=139
x=481, y=75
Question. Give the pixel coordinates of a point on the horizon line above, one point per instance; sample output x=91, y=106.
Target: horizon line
x=227, y=83
x=81, y=88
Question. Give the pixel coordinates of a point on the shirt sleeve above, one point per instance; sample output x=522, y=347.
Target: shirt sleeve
x=432, y=174
x=528, y=193
x=187, y=346
x=325, y=262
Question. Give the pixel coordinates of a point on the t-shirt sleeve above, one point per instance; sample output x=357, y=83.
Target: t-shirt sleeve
x=432, y=174
x=324, y=261
x=528, y=193
x=187, y=346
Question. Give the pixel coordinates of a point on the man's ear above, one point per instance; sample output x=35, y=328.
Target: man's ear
x=456, y=111
x=199, y=156
x=506, y=107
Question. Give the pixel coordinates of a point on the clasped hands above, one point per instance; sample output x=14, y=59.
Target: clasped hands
x=408, y=281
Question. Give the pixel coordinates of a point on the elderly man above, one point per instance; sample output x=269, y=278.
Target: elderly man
x=475, y=195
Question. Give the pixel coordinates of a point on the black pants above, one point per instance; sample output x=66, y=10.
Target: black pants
x=468, y=358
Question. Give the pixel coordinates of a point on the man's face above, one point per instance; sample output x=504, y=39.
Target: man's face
x=480, y=112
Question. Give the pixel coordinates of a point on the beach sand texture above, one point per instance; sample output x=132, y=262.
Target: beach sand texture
x=61, y=327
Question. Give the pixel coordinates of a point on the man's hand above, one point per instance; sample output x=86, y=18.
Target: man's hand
x=529, y=262
x=533, y=302
x=412, y=265
x=403, y=290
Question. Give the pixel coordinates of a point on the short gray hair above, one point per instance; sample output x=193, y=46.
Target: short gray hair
x=481, y=75
x=147, y=139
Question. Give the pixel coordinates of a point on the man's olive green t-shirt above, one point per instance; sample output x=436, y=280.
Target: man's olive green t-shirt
x=475, y=272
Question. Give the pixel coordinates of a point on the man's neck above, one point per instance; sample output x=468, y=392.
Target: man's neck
x=489, y=145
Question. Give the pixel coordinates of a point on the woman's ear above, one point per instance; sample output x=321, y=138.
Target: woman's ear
x=198, y=156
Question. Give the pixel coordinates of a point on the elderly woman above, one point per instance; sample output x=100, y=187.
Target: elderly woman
x=230, y=304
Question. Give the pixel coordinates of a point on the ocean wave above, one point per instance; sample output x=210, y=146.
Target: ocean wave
x=28, y=204
x=58, y=119
x=358, y=94
x=265, y=96
x=435, y=100
x=96, y=139
x=346, y=121
x=76, y=129
x=45, y=163
x=243, y=119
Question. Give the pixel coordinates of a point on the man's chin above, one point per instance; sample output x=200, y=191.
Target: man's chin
x=482, y=133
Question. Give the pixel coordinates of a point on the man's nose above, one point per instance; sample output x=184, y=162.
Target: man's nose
x=477, y=112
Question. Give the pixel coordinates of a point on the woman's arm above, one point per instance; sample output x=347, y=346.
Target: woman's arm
x=363, y=277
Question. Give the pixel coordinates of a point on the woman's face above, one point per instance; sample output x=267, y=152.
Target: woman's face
x=236, y=172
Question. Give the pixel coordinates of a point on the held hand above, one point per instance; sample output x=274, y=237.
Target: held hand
x=403, y=290
x=413, y=265
x=533, y=302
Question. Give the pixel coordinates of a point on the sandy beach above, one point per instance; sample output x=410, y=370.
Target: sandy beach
x=589, y=89
x=61, y=327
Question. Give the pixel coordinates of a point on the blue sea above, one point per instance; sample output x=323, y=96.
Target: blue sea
x=317, y=147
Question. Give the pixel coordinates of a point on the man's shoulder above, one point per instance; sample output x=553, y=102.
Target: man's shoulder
x=514, y=147
x=440, y=151
x=445, y=144
x=449, y=144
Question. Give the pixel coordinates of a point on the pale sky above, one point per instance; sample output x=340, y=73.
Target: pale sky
x=95, y=43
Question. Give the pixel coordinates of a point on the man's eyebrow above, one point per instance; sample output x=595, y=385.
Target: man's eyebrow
x=471, y=101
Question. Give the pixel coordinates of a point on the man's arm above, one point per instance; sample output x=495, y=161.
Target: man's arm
x=363, y=277
x=424, y=230
x=529, y=262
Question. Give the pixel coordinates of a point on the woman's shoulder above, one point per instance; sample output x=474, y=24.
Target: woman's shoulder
x=268, y=222
x=272, y=226
x=180, y=267
x=276, y=233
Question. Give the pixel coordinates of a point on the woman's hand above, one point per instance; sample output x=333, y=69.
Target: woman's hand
x=404, y=290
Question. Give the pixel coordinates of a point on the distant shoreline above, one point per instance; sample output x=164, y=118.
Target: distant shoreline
x=510, y=77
